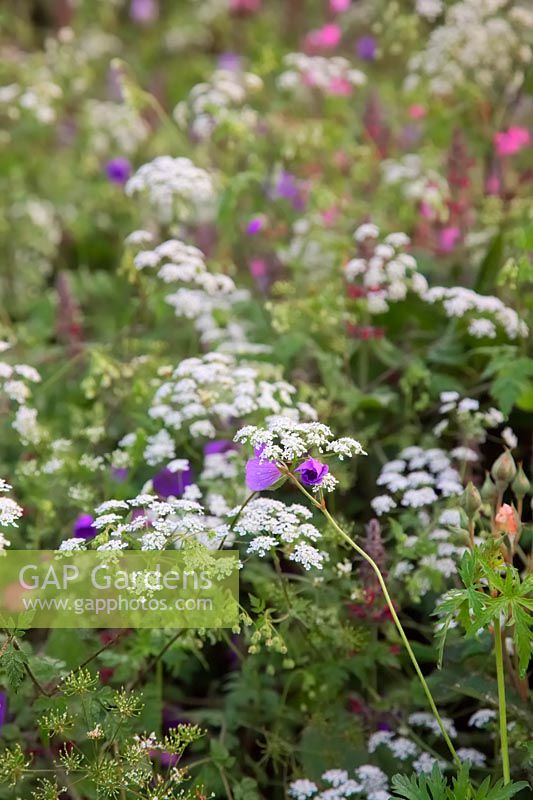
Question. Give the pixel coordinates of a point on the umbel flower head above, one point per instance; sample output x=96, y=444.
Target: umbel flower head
x=286, y=447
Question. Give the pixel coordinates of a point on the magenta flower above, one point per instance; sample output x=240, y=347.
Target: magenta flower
x=83, y=527
x=118, y=170
x=254, y=226
x=511, y=141
x=365, y=47
x=326, y=38
x=312, y=472
x=338, y=6
x=260, y=473
x=448, y=238
x=144, y=11
x=169, y=483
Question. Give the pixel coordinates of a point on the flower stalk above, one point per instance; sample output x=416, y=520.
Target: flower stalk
x=322, y=506
x=500, y=676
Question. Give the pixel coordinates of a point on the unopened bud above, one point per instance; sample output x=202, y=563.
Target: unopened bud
x=520, y=486
x=471, y=500
x=488, y=491
x=504, y=469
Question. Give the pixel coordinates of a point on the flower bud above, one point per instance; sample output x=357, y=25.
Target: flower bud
x=503, y=470
x=520, y=486
x=488, y=491
x=471, y=500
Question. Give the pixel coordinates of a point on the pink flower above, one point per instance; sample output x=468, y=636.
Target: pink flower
x=416, y=111
x=340, y=87
x=507, y=520
x=511, y=141
x=338, y=6
x=448, y=238
x=245, y=6
x=325, y=38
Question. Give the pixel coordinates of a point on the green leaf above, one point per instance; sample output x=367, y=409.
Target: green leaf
x=523, y=636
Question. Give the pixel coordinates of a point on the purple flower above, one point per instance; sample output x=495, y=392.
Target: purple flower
x=229, y=61
x=219, y=446
x=288, y=187
x=118, y=170
x=254, y=226
x=261, y=474
x=365, y=47
x=3, y=707
x=83, y=527
x=119, y=474
x=144, y=11
x=169, y=483
x=312, y=472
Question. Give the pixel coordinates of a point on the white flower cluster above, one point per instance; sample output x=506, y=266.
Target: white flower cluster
x=425, y=554
x=157, y=524
x=206, y=295
x=114, y=127
x=423, y=719
x=285, y=440
x=483, y=312
x=39, y=99
x=272, y=524
x=175, y=189
x=482, y=718
x=385, y=273
x=482, y=41
x=370, y=782
x=472, y=423
x=205, y=394
x=212, y=102
x=10, y=512
x=401, y=747
x=334, y=75
x=418, y=184
x=429, y=9
x=14, y=388
x=417, y=478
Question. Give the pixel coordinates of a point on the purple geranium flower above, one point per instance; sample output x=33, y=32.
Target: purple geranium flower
x=312, y=472
x=288, y=187
x=3, y=707
x=365, y=47
x=229, y=61
x=144, y=11
x=169, y=483
x=254, y=226
x=84, y=528
x=219, y=446
x=261, y=474
x=118, y=170
x=119, y=474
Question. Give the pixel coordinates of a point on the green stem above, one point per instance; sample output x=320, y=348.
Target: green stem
x=394, y=615
x=498, y=650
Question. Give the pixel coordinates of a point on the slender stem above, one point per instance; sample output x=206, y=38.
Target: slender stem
x=498, y=650
x=400, y=629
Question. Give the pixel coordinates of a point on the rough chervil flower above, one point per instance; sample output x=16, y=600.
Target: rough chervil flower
x=334, y=76
x=271, y=524
x=221, y=98
x=203, y=394
x=417, y=478
x=175, y=189
x=285, y=440
x=422, y=719
x=472, y=755
x=459, y=302
x=482, y=718
x=382, y=273
x=10, y=512
x=370, y=782
x=481, y=41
